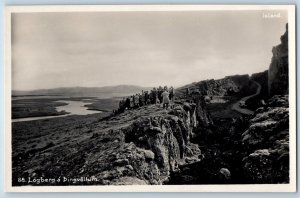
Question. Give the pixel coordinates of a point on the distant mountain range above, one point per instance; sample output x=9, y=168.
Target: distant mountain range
x=101, y=92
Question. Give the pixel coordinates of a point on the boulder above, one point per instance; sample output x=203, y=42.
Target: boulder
x=226, y=173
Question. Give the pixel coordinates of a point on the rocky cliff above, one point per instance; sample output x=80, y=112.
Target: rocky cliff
x=140, y=146
x=267, y=141
x=226, y=86
x=267, y=138
x=279, y=68
x=262, y=79
x=166, y=138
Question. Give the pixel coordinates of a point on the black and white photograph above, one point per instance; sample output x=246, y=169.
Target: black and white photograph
x=151, y=98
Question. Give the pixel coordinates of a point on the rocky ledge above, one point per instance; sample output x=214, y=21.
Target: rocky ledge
x=268, y=141
x=141, y=146
x=164, y=141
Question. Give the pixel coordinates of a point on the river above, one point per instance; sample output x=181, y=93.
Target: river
x=72, y=107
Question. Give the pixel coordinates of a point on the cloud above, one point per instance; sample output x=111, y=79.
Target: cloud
x=142, y=48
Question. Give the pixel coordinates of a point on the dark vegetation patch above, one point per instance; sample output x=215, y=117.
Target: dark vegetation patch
x=107, y=105
x=24, y=108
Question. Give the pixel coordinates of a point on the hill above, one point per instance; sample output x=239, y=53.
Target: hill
x=101, y=92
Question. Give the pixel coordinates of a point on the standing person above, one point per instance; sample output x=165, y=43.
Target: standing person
x=127, y=103
x=121, y=106
x=131, y=102
x=187, y=91
x=166, y=99
x=171, y=94
x=153, y=95
x=159, y=93
x=136, y=101
x=146, y=97
x=141, y=100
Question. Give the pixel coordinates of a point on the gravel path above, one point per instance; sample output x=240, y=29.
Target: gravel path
x=236, y=106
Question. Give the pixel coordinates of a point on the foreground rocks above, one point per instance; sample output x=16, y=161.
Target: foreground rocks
x=141, y=146
x=164, y=140
x=268, y=139
x=152, y=146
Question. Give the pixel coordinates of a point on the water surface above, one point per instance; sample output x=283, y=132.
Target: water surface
x=72, y=108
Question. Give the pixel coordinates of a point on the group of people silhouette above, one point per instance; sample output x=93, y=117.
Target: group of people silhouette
x=160, y=95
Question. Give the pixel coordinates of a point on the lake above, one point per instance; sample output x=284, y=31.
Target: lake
x=72, y=107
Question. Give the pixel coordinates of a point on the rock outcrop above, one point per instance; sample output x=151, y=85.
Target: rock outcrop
x=164, y=140
x=262, y=79
x=226, y=86
x=278, y=76
x=267, y=139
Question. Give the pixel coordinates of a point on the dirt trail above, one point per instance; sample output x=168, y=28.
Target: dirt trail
x=236, y=106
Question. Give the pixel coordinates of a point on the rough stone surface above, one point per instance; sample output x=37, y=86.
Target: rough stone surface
x=229, y=85
x=278, y=77
x=268, y=138
x=165, y=139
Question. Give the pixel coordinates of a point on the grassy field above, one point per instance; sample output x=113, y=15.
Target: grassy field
x=36, y=144
x=36, y=107
x=66, y=146
x=106, y=105
x=24, y=108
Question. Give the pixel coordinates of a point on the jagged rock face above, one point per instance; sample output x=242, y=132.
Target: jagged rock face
x=226, y=86
x=221, y=87
x=125, y=164
x=165, y=141
x=268, y=133
x=279, y=68
x=203, y=117
x=262, y=79
x=268, y=139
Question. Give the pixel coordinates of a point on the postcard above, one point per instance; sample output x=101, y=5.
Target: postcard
x=150, y=98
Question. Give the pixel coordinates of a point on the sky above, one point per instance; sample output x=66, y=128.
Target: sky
x=95, y=49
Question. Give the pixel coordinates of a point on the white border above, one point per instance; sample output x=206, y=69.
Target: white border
x=291, y=187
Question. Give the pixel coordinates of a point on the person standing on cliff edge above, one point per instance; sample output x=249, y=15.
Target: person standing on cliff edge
x=187, y=92
x=171, y=90
x=165, y=98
